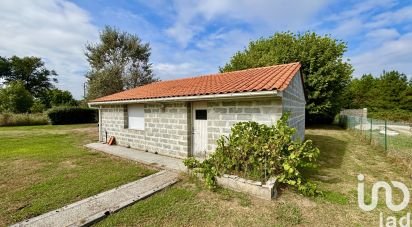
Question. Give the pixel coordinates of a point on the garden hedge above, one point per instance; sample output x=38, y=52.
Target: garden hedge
x=71, y=115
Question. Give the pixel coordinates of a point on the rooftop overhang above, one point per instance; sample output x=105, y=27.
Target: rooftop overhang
x=252, y=95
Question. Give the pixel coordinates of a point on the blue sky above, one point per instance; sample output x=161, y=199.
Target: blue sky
x=195, y=37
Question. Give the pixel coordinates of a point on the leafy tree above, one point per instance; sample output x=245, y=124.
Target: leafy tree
x=390, y=91
x=36, y=78
x=57, y=97
x=61, y=98
x=390, y=87
x=406, y=101
x=4, y=67
x=120, y=61
x=325, y=73
x=360, y=92
x=15, y=98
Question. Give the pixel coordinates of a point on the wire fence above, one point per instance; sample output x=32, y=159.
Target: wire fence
x=389, y=135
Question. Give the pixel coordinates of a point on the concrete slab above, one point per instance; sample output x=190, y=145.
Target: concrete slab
x=147, y=158
x=94, y=208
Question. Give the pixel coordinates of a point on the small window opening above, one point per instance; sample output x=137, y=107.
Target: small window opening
x=201, y=114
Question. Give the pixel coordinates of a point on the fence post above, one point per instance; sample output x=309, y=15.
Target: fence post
x=361, y=125
x=386, y=136
x=370, y=137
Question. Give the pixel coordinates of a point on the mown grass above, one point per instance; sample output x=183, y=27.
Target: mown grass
x=342, y=158
x=46, y=167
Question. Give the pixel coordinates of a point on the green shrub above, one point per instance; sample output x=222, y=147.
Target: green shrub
x=9, y=119
x=15, y=98
x=37, y=107
x=71, y=115
x=260, y=152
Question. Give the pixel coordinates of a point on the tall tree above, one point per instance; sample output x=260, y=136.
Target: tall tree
x=31, y=71
x=389, y=91
x=326, y=73
x=360, y=92
x=391, y=86
x=119, y=61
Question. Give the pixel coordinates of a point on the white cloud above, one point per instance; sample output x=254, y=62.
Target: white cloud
x=391, y=55
x=263, y=15
x=168, y=71
x=347, y=28
x=361, y=8
x=382, y=34
x=377, y=33
x=55, y=30
x=211, y=51
x=389, y=18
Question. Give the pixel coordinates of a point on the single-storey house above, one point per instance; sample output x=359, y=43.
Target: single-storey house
x=185, y=117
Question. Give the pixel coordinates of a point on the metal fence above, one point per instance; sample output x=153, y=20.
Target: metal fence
x=390, y=136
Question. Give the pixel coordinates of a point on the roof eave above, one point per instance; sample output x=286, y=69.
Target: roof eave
x=253, y=94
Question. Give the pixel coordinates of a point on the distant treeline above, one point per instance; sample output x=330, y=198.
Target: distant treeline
x=388, y=96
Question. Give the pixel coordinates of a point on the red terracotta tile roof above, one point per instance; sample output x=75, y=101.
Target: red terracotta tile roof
x=269, y=78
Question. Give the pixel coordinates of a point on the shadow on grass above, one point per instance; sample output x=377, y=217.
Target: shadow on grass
x=332, y=151
x=325, y=127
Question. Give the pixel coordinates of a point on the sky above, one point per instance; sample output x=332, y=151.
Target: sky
x=189, y=38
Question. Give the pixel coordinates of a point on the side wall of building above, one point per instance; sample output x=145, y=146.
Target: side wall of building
x=167, y=128
x=293, y=101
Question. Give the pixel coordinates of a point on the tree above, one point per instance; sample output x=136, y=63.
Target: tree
x=57, y=97
x=406, y=101
x=31, y=71
x=390, y=88
x=360, y=92
x=120, y=61
x=61, y=98
x=326, y=75
x=389, y=91
x=15, y=98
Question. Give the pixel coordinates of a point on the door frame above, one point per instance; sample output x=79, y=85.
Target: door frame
x=195, y=106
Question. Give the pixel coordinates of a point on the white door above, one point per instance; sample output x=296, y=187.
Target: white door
x=199, y=129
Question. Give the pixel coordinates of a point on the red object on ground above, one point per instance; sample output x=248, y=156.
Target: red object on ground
x=112, y=141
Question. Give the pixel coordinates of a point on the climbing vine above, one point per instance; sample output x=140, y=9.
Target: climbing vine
x=259, y=152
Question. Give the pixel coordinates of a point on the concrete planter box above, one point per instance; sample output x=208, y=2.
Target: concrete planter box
x=255, y=188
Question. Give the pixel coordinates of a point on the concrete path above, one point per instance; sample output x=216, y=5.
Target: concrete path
x=94, y=208
x=147, y=158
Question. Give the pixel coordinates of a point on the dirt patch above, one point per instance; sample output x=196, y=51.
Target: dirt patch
x=19, y=173
x=68, y=164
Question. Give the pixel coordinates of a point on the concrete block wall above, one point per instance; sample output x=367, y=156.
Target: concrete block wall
x=223, y=114
x=355, y=112
x=293, y=101
x=167, y=128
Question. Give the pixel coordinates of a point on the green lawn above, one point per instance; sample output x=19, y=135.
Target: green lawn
x=46, y=167
x=342, y=158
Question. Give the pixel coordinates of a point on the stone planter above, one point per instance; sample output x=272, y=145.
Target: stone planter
x=255, y=188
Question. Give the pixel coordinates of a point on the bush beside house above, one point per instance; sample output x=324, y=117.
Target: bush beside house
x=259, y=152
x=71, y=115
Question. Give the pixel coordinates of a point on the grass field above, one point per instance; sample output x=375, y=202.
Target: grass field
x=46, y=167
x=342, y=158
